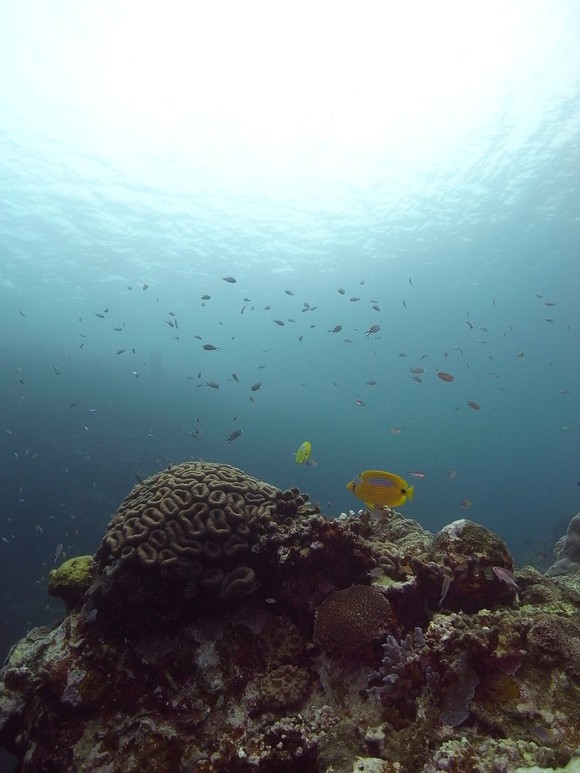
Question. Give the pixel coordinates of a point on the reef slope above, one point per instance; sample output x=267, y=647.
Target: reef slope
x=227, y=626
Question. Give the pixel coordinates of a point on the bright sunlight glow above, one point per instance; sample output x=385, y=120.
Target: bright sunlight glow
x=291, y=73
x=227, y=90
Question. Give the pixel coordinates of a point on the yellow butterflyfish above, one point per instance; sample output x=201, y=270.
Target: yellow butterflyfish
x=377, y=487
x=303, y=452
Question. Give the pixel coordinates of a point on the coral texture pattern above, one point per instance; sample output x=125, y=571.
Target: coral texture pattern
x=226, y=626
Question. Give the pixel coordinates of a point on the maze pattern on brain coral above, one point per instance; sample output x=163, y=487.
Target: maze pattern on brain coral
x=193, y=521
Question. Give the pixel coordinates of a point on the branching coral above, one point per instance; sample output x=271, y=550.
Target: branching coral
x=402, y=673
x=413, y=669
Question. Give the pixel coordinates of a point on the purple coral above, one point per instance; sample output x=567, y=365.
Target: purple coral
x=454, y=704
x=410, y=670
x=402, y=668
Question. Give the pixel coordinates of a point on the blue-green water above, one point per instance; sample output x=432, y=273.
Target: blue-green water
x=455, y=212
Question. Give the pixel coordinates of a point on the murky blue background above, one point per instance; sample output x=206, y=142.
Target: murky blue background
x=426, y=163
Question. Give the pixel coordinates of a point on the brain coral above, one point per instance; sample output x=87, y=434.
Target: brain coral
x=349, y=618
x=189, y=528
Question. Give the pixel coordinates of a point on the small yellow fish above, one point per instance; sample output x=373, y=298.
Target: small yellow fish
x=376, y=487
x=303, y=452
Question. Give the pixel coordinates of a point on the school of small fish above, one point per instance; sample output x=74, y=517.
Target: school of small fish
x=209, y=352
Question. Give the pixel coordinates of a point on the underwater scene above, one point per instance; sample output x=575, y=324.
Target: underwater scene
x=289, y=386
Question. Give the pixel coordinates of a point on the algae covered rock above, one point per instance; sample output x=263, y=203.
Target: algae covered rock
x=71, y=580
x=469, y=553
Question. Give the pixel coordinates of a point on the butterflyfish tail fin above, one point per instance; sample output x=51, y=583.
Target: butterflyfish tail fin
x=410, y=492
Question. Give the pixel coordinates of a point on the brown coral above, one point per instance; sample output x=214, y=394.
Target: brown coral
x=348, y=619
x=285, y=686
x=190, y=528
x=281, y=642
x=557, y=639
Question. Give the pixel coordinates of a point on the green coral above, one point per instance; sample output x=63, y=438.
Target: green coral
x=70, y=580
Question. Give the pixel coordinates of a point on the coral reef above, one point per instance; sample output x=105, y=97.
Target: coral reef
x=229, y=626
x=187, y=534
x=469, y=552
x=567, y=551
x=71, y=580
x=350, y=618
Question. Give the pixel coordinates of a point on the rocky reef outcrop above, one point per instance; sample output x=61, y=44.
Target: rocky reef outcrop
x=567, y=551
x=225, y=625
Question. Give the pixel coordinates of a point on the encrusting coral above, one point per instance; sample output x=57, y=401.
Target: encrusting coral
x=284, y=687
x=70, y=580
x=228, y=626
x=556, y=639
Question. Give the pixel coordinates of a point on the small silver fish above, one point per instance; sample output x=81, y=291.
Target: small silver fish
x=504, y=575
x=234, y=436
x=447, y=580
